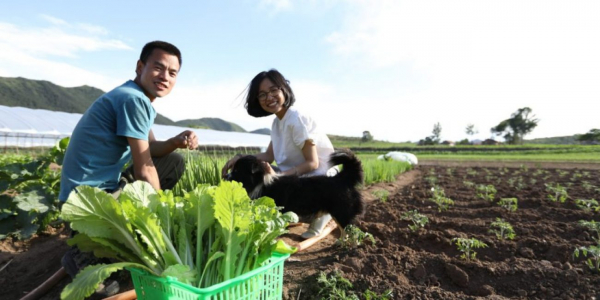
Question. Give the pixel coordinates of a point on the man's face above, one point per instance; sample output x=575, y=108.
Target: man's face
x=158, y=75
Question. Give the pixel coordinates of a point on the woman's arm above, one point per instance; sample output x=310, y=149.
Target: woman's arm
x=267, y=156
x=311, y=160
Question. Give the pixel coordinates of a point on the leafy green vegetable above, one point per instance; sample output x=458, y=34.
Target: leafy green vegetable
x=210, y=235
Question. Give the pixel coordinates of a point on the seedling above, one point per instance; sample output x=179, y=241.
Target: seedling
x=509, y=204
x=335, y=287
x=594, y=261
x=557, y=193
x=593, y=226
x=469, y=184
x=449, y=172
x=587, y=204
x=381, y=194
x=355, y=237
x=431, y=179
x=486, y=192
x=370, y=295
x=467, y=246
x=587, y=185
x=532, y=181
x=502, y=229
x=418, y=220
x=562, y=173
x=471, y=172
x=440, y=199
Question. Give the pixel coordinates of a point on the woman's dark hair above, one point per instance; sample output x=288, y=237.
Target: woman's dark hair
x=252, y=104
x=169, y=48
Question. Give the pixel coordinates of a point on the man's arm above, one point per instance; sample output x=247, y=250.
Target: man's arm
x=143, y=167
x=186, y=139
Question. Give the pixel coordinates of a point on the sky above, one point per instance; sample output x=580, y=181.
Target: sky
x=393, y=68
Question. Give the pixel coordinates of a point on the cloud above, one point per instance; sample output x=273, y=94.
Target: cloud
x=480, y=60
x=45, y=52
x=276, y=6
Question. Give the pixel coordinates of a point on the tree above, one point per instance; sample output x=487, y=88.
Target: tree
x=367, y=137
x=514, y=129
x=437, y=131
x=471, y=130
x=591, y=137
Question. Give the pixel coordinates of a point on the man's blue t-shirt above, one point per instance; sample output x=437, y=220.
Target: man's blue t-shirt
x=98, y=148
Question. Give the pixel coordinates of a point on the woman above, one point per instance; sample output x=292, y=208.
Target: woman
x=296, y=145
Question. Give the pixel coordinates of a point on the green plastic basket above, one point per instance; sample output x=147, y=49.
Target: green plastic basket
x=264, y=283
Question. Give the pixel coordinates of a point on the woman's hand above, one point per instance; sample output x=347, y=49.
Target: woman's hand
x=229, y=165
x=267, y=168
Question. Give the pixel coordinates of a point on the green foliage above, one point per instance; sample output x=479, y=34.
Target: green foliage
x=468, y=184
x=486, y=192
x=467, y=246
x=557, y=193
x=30, y=203
x=592, y=136
x=370, y=295
x=587, y=204
x=418, y=220
x=509, y=204
x=593, y=226
x=593, y=261
x=211, y=235
x=199, y=169
x=355, y=237
x=335, y=287
x=517, y=126
x=381, y=194
x=502, y=229
x=440, y=199
x=367, y=137
x=381, y=170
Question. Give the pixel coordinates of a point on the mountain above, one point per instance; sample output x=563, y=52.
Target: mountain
x=41, y=94
x=265, y=131
x=213, y=123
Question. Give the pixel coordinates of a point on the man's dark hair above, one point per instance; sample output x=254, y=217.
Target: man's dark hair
x=169, y=48
x=252, y=104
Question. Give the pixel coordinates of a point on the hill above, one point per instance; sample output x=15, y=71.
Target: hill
x=41, y=94
x=213, y=123
x=265, y=131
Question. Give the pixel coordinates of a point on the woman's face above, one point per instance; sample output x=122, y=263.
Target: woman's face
x=271, y=98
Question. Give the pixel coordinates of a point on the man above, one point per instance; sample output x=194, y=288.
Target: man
x=116, y=129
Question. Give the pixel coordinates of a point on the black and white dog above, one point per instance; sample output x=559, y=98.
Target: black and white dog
x=307, y=196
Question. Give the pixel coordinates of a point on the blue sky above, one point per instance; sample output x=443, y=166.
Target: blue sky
x=394, y=68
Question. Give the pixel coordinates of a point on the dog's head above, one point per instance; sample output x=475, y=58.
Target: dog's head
x=248, y=171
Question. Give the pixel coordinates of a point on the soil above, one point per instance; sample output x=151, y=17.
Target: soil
x=537, y=264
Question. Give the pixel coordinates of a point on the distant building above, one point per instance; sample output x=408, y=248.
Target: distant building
x=490, y=142
x=448, y=143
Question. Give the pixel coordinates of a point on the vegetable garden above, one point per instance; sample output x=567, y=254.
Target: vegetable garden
x=436, y=232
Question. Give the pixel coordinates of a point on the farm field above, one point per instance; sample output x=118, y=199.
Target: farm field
x=537, y=264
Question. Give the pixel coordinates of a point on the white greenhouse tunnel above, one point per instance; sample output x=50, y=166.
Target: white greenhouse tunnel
x=25, y=127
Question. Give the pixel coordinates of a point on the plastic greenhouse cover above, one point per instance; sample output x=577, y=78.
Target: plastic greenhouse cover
x=26, y=127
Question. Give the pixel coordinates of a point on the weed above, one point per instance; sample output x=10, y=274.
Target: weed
x=467, y=246
x=381, y=194
x=418, y=220
x=370, y=295
x=509, y=204
x=502, y=229
x=432, y=180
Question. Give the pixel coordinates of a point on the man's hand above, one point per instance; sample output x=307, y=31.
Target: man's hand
x=186, y=139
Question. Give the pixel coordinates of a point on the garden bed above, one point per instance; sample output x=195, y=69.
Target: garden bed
x=537, y=264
